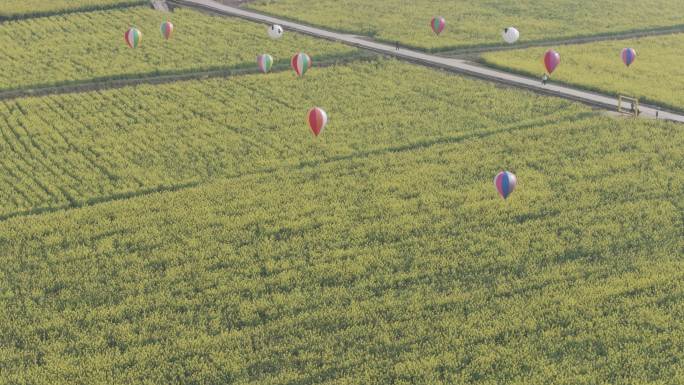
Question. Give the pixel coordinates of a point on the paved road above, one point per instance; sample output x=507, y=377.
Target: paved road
x=450, y=64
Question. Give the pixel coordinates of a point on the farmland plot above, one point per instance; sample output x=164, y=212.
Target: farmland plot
x=69, y=150
x=46, y=52
x=16, y=9
x=400, y=266
x=656, y=75
x=476, y=23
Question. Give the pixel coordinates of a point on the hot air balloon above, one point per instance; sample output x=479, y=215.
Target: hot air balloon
x=437, y=23
x=166, y=30
x=265, y=62
x=133, y=37
x=505, y=183
x=510, y=35
x=275, y=31
x=628, y=56
x=551, y=60
x=301, y=62
x=317, y=120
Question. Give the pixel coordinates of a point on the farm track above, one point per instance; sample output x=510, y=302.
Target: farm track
x=460, y=66
x=365, y=154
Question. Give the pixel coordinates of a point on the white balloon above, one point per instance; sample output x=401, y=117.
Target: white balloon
x=275, y=31
x=510, y=35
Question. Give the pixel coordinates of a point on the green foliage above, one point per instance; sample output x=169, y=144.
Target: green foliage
x=17, y=9
x=474, y=23
x=398, y=265
x=90, y=46
x=656, y=75
x=69, y=150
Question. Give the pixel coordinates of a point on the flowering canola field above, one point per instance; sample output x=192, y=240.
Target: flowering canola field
x=378, y=252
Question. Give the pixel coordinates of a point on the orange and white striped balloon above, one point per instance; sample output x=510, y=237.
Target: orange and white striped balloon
x=133, y=37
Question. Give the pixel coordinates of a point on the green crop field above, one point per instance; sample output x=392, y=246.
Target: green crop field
x=16, y=9
x=346, y=265
x=656, y=75
x=376, y=253
x=70, y=149
x=86, y=46
x=473, y=23
x=197, y=233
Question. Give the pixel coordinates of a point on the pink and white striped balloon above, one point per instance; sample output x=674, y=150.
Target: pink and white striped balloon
x=437, y=24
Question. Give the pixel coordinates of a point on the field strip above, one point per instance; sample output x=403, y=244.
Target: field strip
x=83, y=9
x=98, y=85
x=569, y=41
x=450, y=64
x=482, y=48
x=420, y=145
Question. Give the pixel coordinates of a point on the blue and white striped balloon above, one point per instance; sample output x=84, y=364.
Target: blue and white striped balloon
x=628, y=56
x=505, y=183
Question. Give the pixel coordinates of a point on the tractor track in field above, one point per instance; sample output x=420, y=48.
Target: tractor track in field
x=459, y=138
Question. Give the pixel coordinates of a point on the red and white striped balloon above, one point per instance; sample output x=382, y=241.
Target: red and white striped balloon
x=317, y=120
x=301, y=62
x=166, y=30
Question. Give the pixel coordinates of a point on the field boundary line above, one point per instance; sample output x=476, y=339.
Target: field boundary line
x=456, y=65
x=154, y=79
